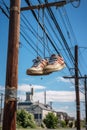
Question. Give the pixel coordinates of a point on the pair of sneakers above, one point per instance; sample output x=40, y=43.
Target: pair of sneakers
x=45, y=66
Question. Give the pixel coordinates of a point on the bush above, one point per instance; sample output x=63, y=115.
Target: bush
x=63, y=124
x=25, y=119
x=51, y=121
x=71, y=124
x=43, y=125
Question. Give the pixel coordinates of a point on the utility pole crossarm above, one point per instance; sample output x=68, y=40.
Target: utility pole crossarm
x=71, y=77
x=60, y=3
x=46, y=5
x=68, y=77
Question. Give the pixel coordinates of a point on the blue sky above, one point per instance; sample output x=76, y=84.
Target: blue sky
x=60, y=91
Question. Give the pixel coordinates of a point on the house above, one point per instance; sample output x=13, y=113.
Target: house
x=60, y=116
x=40, y=111
x=63, y=116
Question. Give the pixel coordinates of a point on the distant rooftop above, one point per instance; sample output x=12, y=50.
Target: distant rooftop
x=27, y=103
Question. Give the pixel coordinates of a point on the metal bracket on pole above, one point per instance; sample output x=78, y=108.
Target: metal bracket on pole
x=11, y=94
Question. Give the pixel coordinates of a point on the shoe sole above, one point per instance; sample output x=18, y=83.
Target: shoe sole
x=54, y=69
x=35, y=73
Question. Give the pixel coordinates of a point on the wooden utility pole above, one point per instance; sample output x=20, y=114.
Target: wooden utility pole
x=1, y=108
x=85, y=87
x=76, y=88
x=85, y=84
x=9, y=118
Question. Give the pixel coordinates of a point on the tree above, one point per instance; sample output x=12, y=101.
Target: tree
x=51, y=120
x=25, y=119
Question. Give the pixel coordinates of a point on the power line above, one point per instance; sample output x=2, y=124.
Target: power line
x=42, y=27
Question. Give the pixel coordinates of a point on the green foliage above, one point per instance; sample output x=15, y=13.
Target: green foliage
x=63, y=124
x=51, y=121
x=25, y=119
x=71, y=124
x=83, y=123
x=43, y=125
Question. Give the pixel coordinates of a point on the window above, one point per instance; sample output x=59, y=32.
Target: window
x=38, y=116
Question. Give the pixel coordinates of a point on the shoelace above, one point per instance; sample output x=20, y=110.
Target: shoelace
x=52, y=60
x=36, y=62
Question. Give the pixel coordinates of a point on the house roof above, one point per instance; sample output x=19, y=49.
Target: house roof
x=42, y=106
x=65, y=115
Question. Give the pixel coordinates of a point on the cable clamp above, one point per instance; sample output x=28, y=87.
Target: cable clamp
x=15, y=8
x=11, y=94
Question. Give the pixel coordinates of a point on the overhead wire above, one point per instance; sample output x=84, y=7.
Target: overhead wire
x=78, y=4
x=34, y=14
x=28, y=42
x=54, y=33
x=59, y=30
x=69, y=25
x=22, y=20
x=47, y=35
x=38, y=32
x=71, y=30
x=28, y=25
x=65, y=26
x=53, y=29
x=4, y=3
x=27, y=48
x=41, y=27
x=82, y=58
x=61, y=34
x=4, y=12
x=20, y=32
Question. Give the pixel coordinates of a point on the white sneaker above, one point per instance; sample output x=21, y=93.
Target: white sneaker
x=38, y=67
x=56, y=63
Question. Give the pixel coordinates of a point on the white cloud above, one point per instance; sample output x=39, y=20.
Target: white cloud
x=2, y=88
x=56, y=96
x=61, y=79
x=26, y=87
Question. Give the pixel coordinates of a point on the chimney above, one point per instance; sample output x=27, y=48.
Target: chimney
x=28, y=98
x=51, y=104
x=45, y=97
x=32, y=91
x=29, y=95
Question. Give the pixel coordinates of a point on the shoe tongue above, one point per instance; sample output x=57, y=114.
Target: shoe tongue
x=53, y=57
x=39, y=58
